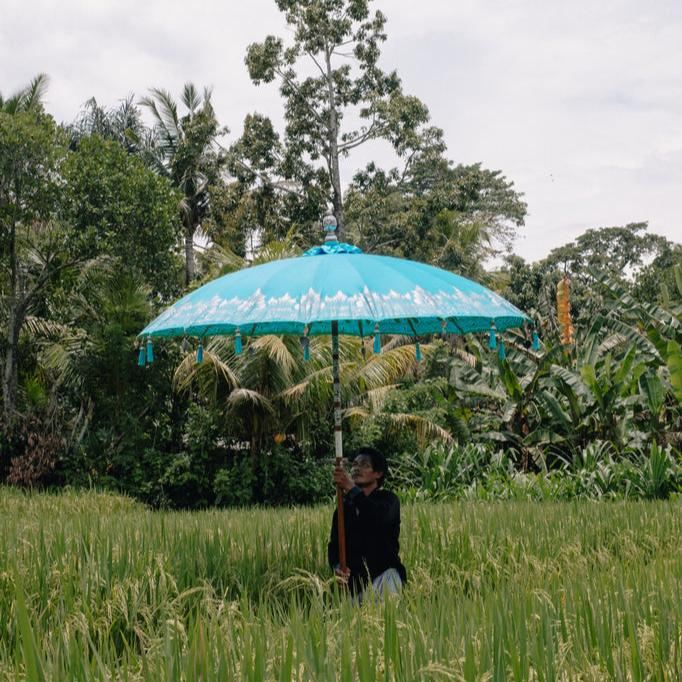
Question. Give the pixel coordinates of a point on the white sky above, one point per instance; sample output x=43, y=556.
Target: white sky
x=578, y=102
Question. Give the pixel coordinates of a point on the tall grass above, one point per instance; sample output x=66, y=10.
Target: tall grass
x=97, y=587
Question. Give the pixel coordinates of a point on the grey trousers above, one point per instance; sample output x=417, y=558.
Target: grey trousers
x=388, y=582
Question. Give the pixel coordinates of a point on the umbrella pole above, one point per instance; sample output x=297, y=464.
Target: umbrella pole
x=338, y=443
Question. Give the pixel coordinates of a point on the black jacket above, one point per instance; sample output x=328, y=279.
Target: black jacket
x=372, y=532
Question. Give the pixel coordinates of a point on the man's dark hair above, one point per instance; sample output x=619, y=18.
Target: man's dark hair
x=378, y=461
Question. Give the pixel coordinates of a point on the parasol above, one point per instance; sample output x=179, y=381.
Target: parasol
x=336, y=289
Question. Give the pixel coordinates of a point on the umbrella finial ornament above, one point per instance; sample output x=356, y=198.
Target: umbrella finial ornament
x=141, y=356
x=329, y=227
x=150, y=351
x=377, y=339
x=418, y=352
x=237, y=342
x=492, y=340
x=200, y=352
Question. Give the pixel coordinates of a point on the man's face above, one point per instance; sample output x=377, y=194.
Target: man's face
x=362, y=473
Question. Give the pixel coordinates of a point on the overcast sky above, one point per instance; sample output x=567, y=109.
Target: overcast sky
x=578, y=102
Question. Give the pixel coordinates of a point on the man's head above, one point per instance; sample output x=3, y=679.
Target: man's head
x=368, y=467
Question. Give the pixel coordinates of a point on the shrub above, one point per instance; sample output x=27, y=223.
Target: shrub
x=294, y=478
x=233, y=485
x=34, y=452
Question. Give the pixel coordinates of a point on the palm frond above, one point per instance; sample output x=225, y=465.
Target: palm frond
x=35, y=92
x=278, y=352
x=276, y=251
x=63, y=358
x=376, y=397
x=219, y=260
x=28, y=98
x=322, y=376
x=213, y=369
x=468, y=358
x=254, y=399
x=423, y=428
x=396, y=341
x=165, y=112
x=41, y=327
x=357, y=412
x=190, y=97
x=387, y=367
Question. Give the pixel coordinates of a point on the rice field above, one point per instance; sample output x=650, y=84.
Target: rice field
x=97, y=587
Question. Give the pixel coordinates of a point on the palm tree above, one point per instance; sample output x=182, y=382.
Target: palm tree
x=85, y=357
x=29, y=98
x=270, y=390
x=123, y=124
x=186, y=151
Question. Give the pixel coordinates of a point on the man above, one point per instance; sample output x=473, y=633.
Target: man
x=372, y=521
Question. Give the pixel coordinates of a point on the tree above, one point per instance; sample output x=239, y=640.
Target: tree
x=113, y=415
x=641, y=262
x=331, y=35
x=185, y=151
x=656, y=279
x=618, y=251
x=452, y=216
x=117, y=207
x=122, y=124
x=31, y=153
x=274, y=191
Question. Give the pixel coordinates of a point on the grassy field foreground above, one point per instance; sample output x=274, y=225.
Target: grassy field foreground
x=97, y=587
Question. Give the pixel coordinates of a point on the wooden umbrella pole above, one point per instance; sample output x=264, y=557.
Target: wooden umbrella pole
x=338, y=443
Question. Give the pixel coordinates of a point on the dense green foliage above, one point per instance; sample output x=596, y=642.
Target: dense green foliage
x=98, y=587
x=98, y=220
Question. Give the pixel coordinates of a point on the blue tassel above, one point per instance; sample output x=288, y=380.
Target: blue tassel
x=237, y=342
x=418, y=352
x=150, y=352
x=492, y=340
x=501, y=353
x=305, y=344
x=141, y=356
x=536, y=341
x=377, y=340
x=200, y=352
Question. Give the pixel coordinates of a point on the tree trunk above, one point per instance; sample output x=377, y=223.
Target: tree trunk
x=337, y=198
x=11, y=370
x=333, y=159
x=189, y=254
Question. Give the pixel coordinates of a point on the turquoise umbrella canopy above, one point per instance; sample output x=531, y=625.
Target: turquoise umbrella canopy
x=337, y=282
